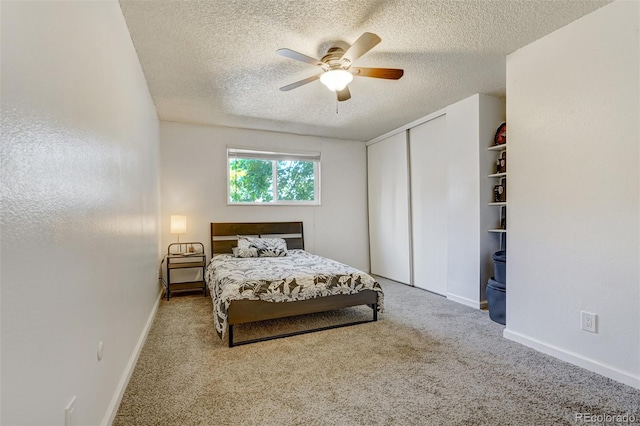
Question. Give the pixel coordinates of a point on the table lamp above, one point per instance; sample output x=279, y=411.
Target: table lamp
x=178, y=225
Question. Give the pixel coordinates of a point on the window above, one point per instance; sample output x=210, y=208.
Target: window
x=268, y=177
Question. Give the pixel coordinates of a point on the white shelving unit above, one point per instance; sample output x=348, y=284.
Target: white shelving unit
x=501, y=204
x=497, y=175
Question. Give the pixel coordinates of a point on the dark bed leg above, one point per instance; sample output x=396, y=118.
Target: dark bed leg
x=230, y=335
x=375, y=311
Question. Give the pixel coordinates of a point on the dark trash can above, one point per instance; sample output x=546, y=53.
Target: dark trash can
x=499, y=266
x=496, y=299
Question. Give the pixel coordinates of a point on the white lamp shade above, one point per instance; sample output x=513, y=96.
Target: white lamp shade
x=178, y=224
x=336, y=80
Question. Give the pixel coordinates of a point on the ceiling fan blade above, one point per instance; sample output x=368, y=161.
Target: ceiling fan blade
x=288, y=53
x=388, y=73
x=361, y=46
x=344, y=94
x=299, y=83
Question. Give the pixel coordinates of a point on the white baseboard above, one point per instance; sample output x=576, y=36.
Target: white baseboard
x=466, y=301
x=124, y=381
x=576, y=359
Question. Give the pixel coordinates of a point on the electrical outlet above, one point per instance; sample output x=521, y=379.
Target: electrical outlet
x=588, y=321
x=70, y=413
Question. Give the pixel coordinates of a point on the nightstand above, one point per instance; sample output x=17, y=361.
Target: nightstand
x=185, y=256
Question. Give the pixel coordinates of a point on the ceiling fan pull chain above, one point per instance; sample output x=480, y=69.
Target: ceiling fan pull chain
x=337, y=103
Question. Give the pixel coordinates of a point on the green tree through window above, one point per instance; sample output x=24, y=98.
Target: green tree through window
x=296, y=180
x=271, y=177
x=250, y=180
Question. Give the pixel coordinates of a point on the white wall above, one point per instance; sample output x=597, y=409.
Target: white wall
x=194, y=183
x=79, y=238
x=463, y=231
x=574, y=207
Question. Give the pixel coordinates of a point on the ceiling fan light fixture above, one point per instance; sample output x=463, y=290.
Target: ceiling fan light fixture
x=336, y=80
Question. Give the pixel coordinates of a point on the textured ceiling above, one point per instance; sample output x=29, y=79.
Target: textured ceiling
x=215, y=62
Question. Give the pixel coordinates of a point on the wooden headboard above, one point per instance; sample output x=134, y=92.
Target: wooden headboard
x=224, y=236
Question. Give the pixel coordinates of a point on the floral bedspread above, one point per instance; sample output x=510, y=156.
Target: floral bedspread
x=299, y=275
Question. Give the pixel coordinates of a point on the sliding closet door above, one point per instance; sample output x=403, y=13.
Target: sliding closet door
x=389, y=208
x=429, y=199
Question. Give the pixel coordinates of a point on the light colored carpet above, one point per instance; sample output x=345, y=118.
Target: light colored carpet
x=427, y=361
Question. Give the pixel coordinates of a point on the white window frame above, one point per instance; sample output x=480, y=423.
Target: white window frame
x=275, y=155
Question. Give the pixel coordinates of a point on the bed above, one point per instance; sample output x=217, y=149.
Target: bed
x=254, y=289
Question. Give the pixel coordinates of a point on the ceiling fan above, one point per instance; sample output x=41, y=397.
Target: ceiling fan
x=337, y=71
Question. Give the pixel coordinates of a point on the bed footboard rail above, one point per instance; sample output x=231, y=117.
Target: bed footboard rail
x=245, y=311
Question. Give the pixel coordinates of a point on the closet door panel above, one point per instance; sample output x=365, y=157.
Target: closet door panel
x=429, y=200
x=389, y=208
